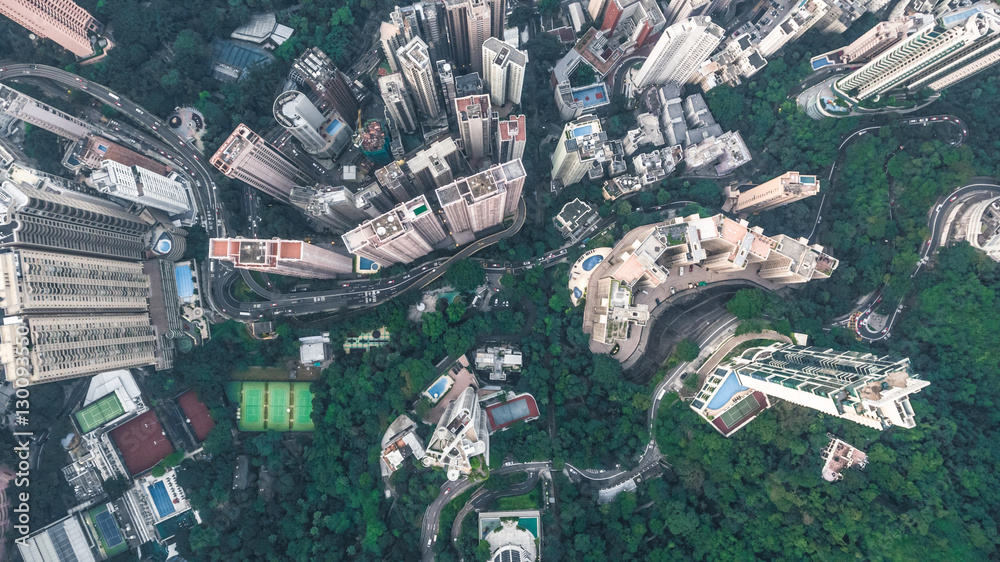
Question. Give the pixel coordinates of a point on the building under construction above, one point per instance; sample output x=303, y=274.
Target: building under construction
x=373, y=139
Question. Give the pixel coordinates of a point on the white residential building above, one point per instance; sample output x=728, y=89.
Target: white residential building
x=503, y=71
x=141, y=186
x=679, y=52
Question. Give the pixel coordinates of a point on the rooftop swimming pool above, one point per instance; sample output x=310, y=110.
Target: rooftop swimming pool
x=591, y=262
x=333, y=127
x=730, y=386
x=439, y=387
x=185, y=282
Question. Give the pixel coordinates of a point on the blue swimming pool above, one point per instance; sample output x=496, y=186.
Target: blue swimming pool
x=577, y=293
x=591, y=262
x=333, y=127
x=162, y=499
x=437, y=389
x=820, y=63
x=365, y=264
x=185, y=283
x=730, y=386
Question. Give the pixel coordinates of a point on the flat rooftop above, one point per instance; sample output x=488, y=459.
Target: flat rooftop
x=253, y=252
x=387, y=226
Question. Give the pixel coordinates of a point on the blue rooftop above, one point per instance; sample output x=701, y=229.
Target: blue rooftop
x=185, y=282
x=591, y=96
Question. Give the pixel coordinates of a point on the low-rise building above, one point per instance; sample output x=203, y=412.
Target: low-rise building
x=840, y=455
x=654, y=167
x=621, y=186
x=498, y=361
x=314, y=349
x=726, y=152
x=574, y=219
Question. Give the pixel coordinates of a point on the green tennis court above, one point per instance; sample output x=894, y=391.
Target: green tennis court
x=252, y=411
x=302, y=409
x=99, y=413
x=732, y=416
x=277, y=405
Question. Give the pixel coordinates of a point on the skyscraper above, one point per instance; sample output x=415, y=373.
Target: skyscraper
x=477, y=123
x=512, y=135
x=407, y=232
x=69, y=222
x=282, y=257
x=576, y=149
x=498, y=17
x=782, y=190
x=483, y=200
x=37, y=281
x=447, y=79
x=316, y=70
x=934, y=55
x=678, y=52
x=318, y=135
x=246, y=157
x=479, y=31
x=457, y=17
x=503, y=71
x=62, y=21
x=141, y=186
x=331, y=207
x=42, y=115
x=860, y=387
x=793, y=260
x=393, y=180
x=69, y=346
x=416, y=66
x=397, y=102
x=436, y=165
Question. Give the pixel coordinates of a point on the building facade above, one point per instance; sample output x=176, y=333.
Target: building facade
x=482, y=200
x=417, y=69
x=393, y=180
x=512, y=134
x=576, y=149
x=316, y=70
x=398, y=103
x=34, y=112
x=245, y=156
x=861, y=387
x=142, y=186
x=62, y=21
x=503, y=71
x=679, y=52
x=333, y=208
x=782, y=190
x=436, y=166
x=477, y=124
x=282, y=257
x=407, y=232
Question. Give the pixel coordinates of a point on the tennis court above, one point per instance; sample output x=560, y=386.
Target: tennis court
x=107, y=530
x=252, y=411
x=99, y=413
x=740, y=410
x=277, y=405
x=302, y=420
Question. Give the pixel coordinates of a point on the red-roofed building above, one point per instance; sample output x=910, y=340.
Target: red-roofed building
x=519, y=408
x=512, y=135
x=283, y=257
x=197, y=415
x=141, y=442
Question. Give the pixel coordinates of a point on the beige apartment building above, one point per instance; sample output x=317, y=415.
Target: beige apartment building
x=246, y=157
x=483, y=200
x=782, y=190
x=477, y=124
x=402, y=235
x=62, y=21
x=282, y=257
x=35, y=281
x=66, y=347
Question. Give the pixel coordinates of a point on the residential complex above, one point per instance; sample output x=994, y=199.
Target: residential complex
x=461, y=434
x=512, y=134
x=31, y=111
x=245, y=156
x=398, y=102
x=482, y=200
x=62, y=21
x=861, y=387
x=334, y=208
x=407, y=232
x=782, y=190
x=477, y=125
x=62, y=347
x=141, y=186
x=678, y=52
x=418, y=70
x=983, y=230
x=479, y=25
x=576, y=149
x=503, y=71
x=934, y=53
x=719, y=244
x=319, y=135
x=513, y=536
x=317, y=71
x=282, y=257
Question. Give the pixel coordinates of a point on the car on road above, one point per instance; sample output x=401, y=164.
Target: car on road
x=690, y=268
x=448, y=491
x=953, y=197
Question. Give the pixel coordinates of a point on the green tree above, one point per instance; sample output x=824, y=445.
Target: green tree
x=623, y=208
x=465, y=275
x=687, y=350
x=746, y=303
